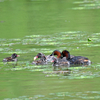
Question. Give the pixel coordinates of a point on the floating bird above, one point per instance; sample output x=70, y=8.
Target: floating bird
x=43, y=59
x=13, y=58
x=74, y=60
x=58, y=53
x=59, y=63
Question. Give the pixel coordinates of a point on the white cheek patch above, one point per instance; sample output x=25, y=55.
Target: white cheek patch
x=35, y=57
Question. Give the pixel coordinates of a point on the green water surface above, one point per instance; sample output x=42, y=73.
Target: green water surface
x=28, y=27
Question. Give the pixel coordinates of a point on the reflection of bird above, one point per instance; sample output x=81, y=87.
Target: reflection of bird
x=13, y=58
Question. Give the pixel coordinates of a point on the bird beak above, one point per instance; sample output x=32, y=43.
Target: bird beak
x=18, y=55
x=52, y=61
x=35, y=57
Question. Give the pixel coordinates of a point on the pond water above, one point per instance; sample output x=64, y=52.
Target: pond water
x=28, y=27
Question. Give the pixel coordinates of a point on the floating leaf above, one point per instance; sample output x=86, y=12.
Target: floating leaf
x=89, y=39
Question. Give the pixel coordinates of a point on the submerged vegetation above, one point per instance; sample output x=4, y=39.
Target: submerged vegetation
x=58, y=41
x=87, y=4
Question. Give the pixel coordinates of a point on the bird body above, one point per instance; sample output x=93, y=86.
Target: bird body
x=66, y=58
x=13, y=58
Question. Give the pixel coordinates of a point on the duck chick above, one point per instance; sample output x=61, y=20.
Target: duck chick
x=41, y=61
x=13, y=58
x=60, y=63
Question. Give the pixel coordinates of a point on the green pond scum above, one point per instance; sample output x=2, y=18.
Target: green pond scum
x=28, y=27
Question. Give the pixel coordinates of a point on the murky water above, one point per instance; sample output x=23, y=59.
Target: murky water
x=28, y=27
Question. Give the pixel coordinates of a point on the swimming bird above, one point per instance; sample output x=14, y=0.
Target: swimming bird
x=13, y=58
x=41, y=56
x=59, y=63
x=58, y=53
x=43, y=59
x=76, y=60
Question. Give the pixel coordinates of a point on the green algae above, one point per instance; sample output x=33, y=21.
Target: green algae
x=61, y=95
x=85, y=4
x=43, y=26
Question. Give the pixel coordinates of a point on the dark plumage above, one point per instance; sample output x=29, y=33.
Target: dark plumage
x=74, y=60
x=56, y=52
x=43, y=59
x=60, y=63
x=13, y=58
